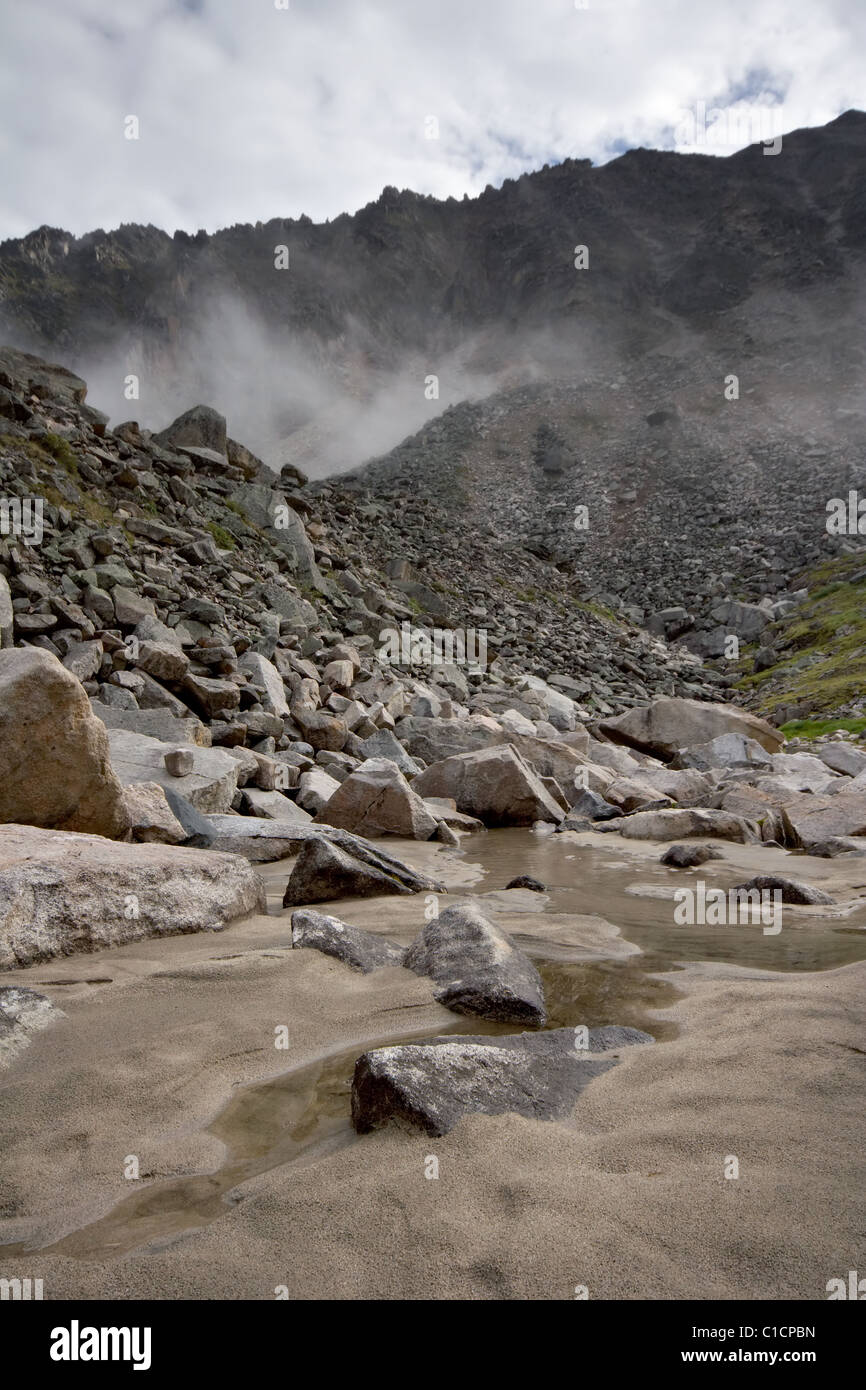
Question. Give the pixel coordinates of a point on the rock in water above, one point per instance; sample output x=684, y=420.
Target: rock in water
x=527, y=881
x=430, y=1085
x=477, y=969
x=494, y=784
x=363, y=950
x=689, y=856
x=54, y=752
x=339, y=865
x=61, y=893
x=377, y=800
x=793, y=890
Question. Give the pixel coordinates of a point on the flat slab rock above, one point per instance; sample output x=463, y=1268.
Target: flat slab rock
x=431, y=1085
x=477, y=968
x=363, y=950
x=62, y=892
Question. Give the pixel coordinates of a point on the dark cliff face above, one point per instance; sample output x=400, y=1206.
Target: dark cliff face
x=678, y=244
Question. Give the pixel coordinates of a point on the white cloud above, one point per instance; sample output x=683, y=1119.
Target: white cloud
x=249, y=112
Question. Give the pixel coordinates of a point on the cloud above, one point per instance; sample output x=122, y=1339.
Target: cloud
x=247, y=111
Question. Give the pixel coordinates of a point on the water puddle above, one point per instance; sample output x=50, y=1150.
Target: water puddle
x=303, y=1115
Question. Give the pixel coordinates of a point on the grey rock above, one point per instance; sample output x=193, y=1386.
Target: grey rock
x=363, y=950
x=793, y=890
x=477, y=968
x=62, y=892
x=336, y=864
x=689, y=856
x=431, y=1085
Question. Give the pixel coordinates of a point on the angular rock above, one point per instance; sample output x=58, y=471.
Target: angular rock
x=494, y=784
x=62, y=892
x=274, y=806
x=670, y=724
x=363, y=950
x=209, y=787
x=260, y=841
x=162, y=660
x=593, y=806
x=335, y=864
x=807, y=818
x=151, y=819
x=155, y=723
x=211, y=697
x=54, y=752
x=315, y=790
x=266, y=679
x=431, y=1085
x=477, y=968
x=385, y=744
x=377, y=800
x=842, y=757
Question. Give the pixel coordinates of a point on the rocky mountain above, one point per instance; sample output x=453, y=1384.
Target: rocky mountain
x=318, y=339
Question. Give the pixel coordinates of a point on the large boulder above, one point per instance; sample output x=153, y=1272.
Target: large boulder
x=315, y=789
x=808, y=818
x=377, y=800
x=210, y=787
x=54, y=752
x=477, y=968
x=260, y=841
x=61, y=893
x=267, y=681
x=201, y=427
x=385, y=744
x=435, y=739
x=363, y=950
x=844, y=758
x=669, y=724
x=154, y=723
x=687, y=824
x=725, y=750
x=494, y=784
x=337, y=864
x=431, y=1085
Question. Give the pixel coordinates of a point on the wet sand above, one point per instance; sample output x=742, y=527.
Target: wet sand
x=251, y=1178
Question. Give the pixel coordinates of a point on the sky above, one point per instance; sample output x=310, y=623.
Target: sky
x=204, y=113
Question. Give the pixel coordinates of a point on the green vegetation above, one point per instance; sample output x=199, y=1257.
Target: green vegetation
x=821, y=645
x=813, y=728
x=62, y=451
x=223, y=538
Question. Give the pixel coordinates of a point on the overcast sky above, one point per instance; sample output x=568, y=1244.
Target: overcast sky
x=248, y=110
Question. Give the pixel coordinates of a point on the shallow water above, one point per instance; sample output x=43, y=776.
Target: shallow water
x=304, y=1114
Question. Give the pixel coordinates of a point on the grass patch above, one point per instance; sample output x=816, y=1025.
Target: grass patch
x=821, y=645
x=223, y=538
x=813, y=728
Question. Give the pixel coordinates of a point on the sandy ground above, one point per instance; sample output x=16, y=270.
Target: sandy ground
x=627, y=1197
